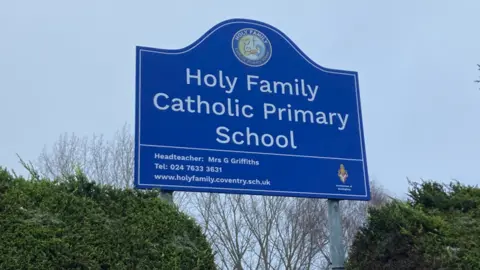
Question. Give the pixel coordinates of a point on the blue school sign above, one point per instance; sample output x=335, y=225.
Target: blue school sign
x=244, y=110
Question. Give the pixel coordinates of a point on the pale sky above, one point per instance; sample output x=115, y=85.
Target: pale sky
x=69, y=66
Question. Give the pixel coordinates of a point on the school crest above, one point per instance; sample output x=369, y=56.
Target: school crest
x=251, y=47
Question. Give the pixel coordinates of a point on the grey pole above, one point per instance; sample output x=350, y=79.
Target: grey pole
x=167, y=195
x=337, y=255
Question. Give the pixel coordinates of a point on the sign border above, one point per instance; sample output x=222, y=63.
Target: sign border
x=137, y=183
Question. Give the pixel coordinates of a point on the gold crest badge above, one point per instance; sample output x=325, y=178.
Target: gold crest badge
x=342, y=174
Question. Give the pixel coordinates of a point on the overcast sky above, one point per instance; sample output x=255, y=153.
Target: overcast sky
x=69, y=66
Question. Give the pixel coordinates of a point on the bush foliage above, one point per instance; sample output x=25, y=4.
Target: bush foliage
x=72, y=223
x=437, y=228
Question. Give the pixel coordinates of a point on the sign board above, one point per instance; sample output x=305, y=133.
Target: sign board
x=243, y=110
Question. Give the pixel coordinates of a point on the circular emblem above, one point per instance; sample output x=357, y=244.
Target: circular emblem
x=251, y=47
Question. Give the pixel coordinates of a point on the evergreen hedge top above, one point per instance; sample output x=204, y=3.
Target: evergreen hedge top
x=76, y=224
x=437, y=228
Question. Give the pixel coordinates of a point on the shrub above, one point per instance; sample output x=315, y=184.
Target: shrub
x=437, y=228
x=71, y=223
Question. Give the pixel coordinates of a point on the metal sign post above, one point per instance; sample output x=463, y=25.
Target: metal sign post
x=337, y=256
x=167, y=195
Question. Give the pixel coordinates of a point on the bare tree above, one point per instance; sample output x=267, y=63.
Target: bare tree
x=301, y=233
x=104, y=161
x=67, y=153
x=223, y=223
x=260, y=214
x=263, y=232
x=246, y=232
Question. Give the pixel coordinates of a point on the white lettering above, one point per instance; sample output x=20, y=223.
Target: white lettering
x=321, y=118
x=343, y=121
x=250, y=83
x=304, y=116
x=285, y=141
x=295, y=88
x=231, y=84
x=282, y=87
x=225, y=136
x=215, y=109
x=265, y=87
x=235, y=140
x=252, y=138
x=197, y=105
x=247, y=114
x=268, y=109
x=270, y=138
x=212, y=78
x=313, y=92
x=198, y=77
x=155, y=101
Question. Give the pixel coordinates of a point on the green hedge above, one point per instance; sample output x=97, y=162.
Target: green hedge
x=438, y=227
x=72, y=223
